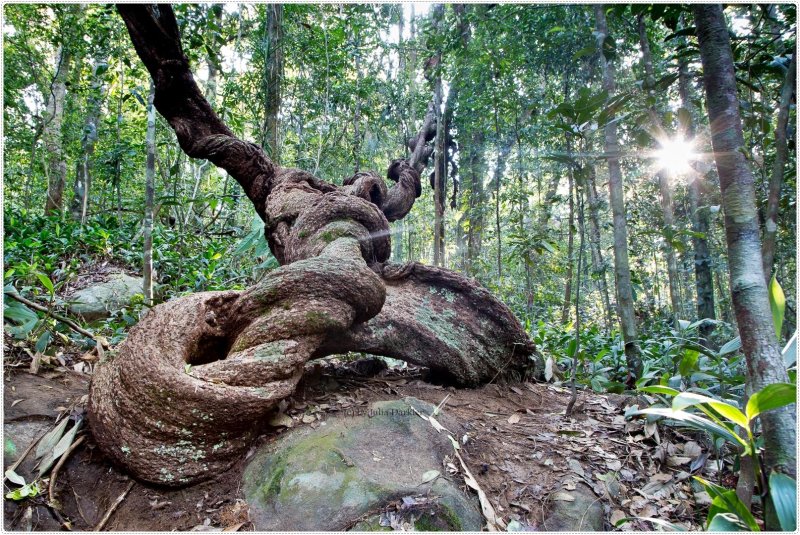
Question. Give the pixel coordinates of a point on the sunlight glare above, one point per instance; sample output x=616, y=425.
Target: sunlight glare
x=675, y=155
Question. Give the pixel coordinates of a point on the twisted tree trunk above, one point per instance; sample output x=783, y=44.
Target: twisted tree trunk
x=194, y=381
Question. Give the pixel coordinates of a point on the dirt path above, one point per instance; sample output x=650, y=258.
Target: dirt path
x=522, y=450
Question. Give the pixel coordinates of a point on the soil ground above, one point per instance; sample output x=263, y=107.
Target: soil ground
x=519, y=445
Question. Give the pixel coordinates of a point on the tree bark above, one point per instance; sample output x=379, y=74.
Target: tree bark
x=748, y=285
x=85, y=165
x=778, y=165
x=595, y=245
x=54, y=116
x=196, y=378
x=149, y=195
x=622, y=270
x=476, y=200
x=273, y=80
x=565, y=311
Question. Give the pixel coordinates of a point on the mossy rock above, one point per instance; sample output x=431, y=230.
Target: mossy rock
x=327, y=479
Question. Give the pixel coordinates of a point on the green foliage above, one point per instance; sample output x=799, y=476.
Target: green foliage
x=722, y=419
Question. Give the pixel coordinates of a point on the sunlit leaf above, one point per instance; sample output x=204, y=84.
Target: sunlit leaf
x=777, y=302
x=770, y=397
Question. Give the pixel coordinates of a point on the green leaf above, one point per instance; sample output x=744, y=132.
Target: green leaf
x=658, y=389
x=16, y=311
x=726, y=522
x=41, y=343
x=571, y=347
x=46, y=282
x=696, y=422
x=777, y=302
x=588, y=51
x=29, y=490
x=688, y=362
x=771, y=397
x=689, y=399
x=730, y=346
x=783, y=492
x=727, y=502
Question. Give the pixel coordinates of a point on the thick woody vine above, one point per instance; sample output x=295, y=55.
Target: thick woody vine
x=191, y=385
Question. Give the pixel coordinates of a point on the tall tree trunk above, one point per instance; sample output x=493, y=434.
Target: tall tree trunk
x=699, y=213
x=595, y=245
x=748, y=285
x=663, y=180
x=477, y=198
x=574, y=374
x=357, y=134
x=149, y=194
x=53, y=119
x=402, y=65
x=85, y=164
x=500, y=165
x=273, y=80
x=622, y=270
x=115, y=183
x=778, y=165
x=439, y=170
x=565, y=311
x=673, y=278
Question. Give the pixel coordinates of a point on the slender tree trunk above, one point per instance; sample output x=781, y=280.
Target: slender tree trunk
x=778, y=165
x=622, y=270
x=54, y=116
x=748, y=285
x=439, y=168
x=669, y=230
x=84, y=166
x=357, y=134
x=596, y=247
x=477, y=197
x=118, y=158
x=402, y=66
x=699, y=213
x=273, y=80
x=149, y=194
x=574, y=396
x=570, y=240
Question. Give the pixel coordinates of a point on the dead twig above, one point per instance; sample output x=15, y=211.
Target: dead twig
x=54, y=474
x=119, y=500
x=63, y=319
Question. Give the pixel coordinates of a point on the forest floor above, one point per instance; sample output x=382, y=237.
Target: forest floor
x=520, y=446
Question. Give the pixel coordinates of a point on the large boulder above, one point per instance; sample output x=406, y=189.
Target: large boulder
x=381, y=467
x=102, y=300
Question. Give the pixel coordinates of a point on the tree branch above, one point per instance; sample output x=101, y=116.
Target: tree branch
x=201, y=133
